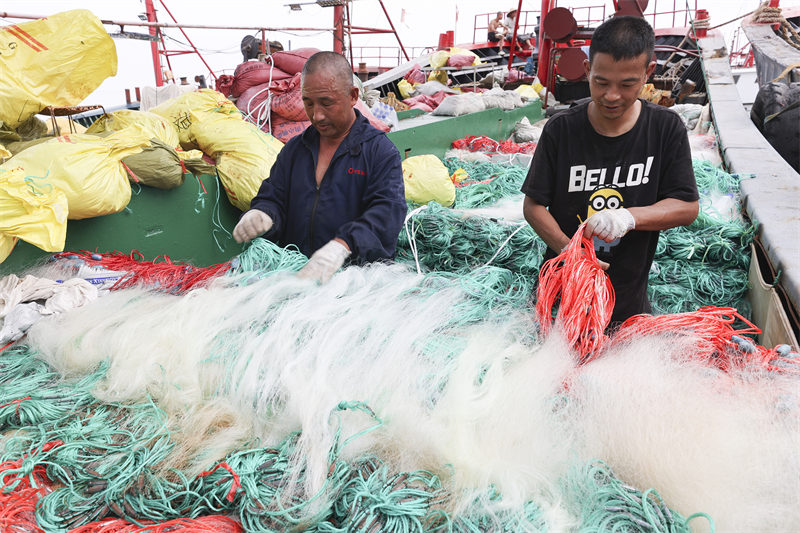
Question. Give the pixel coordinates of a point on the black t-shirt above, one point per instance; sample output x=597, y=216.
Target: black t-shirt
x=577, y=172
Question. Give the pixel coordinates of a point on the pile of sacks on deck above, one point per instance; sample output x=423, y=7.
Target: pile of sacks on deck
x=55, y=61
x=46, y=180
x=83, y=175
x=432, y=95
x=269, y=94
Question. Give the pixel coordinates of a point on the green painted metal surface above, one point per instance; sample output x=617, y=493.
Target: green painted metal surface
x=436, y=138
x=193, y=223
x=408, y=113
x=190, y=223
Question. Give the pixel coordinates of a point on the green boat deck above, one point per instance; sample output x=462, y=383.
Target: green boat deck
x=193, y=223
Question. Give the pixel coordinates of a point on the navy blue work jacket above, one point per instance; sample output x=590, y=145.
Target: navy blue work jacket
x=361, y=198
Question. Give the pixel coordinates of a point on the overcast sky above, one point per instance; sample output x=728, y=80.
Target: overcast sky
x=418, y=22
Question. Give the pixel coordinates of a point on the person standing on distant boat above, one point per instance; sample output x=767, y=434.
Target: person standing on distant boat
x=617, y=162
x=497, y=31
x=335, y=191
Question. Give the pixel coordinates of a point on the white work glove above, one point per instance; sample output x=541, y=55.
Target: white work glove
x=610, y=224
x=252, y=224
x=325, y=262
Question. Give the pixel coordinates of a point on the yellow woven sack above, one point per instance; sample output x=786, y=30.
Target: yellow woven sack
x=426, y=178
x=4, y=153
x=58, y=61
x=244, y=155
x=85, y=167
x=33, y=211
x=527, y=91
x=438, y=75
x=405, y=88
x=439, y=58
x=158, y=127
x=6, y=246
x=195, y=163
x=190, y=109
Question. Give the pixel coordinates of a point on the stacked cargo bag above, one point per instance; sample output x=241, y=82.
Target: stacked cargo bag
x=261, y=86
x=28, y=133
x=33, y=210
x=155, y=125
x=161, y=163
x=284, y=130
x=292, y=61
x=54, y=61
x=244, y=155
x=255, y=72
x=6, y=245
x=193, y=108
x=255, y=102
x=88, y=169
x=289, y=103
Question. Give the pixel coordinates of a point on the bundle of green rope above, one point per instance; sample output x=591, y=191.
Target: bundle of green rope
x=447, y=241
x=474, y=518
x=703, y=264
x=112, y=459
x=707, y=262
x=606, y=504
x=487, y=182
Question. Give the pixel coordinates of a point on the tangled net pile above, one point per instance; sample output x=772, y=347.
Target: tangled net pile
x=72, y=462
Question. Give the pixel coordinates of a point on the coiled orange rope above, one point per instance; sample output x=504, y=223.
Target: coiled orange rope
x=576, y=281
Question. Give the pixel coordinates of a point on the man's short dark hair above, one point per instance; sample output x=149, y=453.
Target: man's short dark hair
x=623, y=38
x=334, y=63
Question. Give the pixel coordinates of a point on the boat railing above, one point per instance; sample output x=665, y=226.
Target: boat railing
x=529, y=20
x=661, y=14
x=741, y=54
x=670, y=17
x=386, y=57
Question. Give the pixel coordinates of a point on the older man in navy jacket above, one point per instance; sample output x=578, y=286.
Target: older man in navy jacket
x=336, y=190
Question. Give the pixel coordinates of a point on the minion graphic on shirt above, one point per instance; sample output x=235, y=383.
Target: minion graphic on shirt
x=604, y=198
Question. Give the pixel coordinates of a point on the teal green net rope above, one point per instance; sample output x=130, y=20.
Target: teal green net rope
x=111, y=462
x=487, y=182
x=703, y=264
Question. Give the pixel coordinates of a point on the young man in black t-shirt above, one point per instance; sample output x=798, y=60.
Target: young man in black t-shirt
x=618, y=163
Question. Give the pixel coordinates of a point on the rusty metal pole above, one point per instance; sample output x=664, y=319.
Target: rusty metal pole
x=545, y=46
x=338, y=29
x=151, y=17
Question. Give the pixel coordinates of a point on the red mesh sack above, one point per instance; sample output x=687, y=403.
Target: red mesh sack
x=460, y=60
x=224, y=84
x=254, y=72
x=284, y=130
x=254, y=96
x=289, y=104
x=292, y=61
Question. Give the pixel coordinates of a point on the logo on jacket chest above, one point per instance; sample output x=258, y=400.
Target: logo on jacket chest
x=582, y=178
x=356, y=171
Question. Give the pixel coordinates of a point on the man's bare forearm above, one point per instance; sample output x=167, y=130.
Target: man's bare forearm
x=544, y=224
